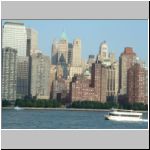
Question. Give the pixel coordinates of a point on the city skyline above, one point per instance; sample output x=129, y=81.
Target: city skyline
x=128, y=33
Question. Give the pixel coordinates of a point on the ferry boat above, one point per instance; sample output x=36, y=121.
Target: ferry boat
x=124, y=115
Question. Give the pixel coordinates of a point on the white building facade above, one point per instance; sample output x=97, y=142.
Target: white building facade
x=15, y=36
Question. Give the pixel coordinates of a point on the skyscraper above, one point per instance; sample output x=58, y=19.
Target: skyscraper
x=40, y=83
x=99, y=81
x=63, y=50
x=91, y=59
x=9, y=73
x=76, y=53
x=76, y=62
x=126, y=60
x=32, y=41
x=54, y=53
x=15, y=36
x=108, y=59
x=22, y=76
x=103, y=52
x=70, y=50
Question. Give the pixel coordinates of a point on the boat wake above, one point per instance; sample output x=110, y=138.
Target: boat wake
x=144, y=120
x=18, y=108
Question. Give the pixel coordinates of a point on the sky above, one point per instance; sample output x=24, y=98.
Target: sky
x=117, y=33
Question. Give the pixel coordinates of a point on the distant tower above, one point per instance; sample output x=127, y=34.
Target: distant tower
x=54, y=53
x=76, y=54
x=70, y=51
x=15, y=36
x=32, y=41
x=103, y=51
x=63, y=50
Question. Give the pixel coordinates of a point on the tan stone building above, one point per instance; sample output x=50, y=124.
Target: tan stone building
x=32, y=41
x=76, y=53
x=108, y=59
x=59, y=52
x=59, y=89
x=40, y=77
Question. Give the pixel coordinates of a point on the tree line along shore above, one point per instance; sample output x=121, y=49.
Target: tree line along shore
x=76, y=104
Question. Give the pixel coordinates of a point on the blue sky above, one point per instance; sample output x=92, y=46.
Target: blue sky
x=117, y=33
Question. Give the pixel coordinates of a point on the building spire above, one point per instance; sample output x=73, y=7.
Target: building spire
x=63, y=35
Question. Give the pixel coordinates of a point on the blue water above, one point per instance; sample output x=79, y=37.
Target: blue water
x=59, y=119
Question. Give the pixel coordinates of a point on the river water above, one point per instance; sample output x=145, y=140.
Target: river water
x=61, y=119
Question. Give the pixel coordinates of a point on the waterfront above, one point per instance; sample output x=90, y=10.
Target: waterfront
x=61, y=119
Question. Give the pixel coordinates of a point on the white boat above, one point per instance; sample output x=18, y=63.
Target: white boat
x=124, y=115
x=18, y=108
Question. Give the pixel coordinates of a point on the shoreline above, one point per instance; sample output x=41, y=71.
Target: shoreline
x=65, y=109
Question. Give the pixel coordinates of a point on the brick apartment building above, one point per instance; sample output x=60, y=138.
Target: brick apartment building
x=93, y=90
x=137, y=80
x=126, y=60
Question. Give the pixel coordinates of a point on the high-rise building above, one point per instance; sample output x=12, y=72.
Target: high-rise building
x=40, y=86
x=63, y=50
x=103, y=52
x=32, y=41
x=137, y=84
x=52, y=77
x=76, y=53
x=14, y=35
x=70, y=50
x=126, y=60
x=108, y=59
x=22, y=76
x=76, y=66
x=91, y=59
x=54, y=53
x=111, y=81
x=9, y=73
x=99, y=81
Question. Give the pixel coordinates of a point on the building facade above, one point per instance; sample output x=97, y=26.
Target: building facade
x=91, y=60
x=126, y=60
x=9, y=73
x=137, y=84
x=59, y=89
x=82, y=88
x=40, y=86
x=32, y=41
x=108, y=59
x=22, y=77
x=76, y=53
x=14, y=35
x=70, y=52
x=62, y=55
